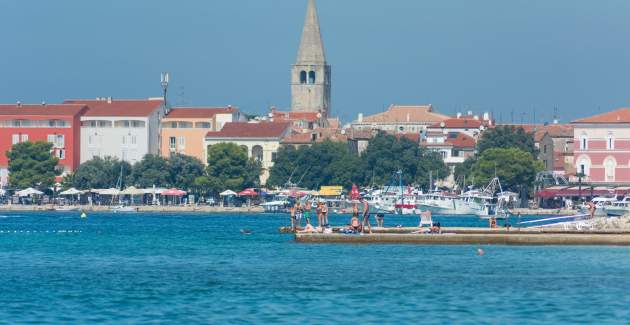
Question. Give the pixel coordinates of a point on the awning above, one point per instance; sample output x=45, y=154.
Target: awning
x=29, y=191
x=174, y=192
x=576, y=191
x=228, y=193
x=71, y=191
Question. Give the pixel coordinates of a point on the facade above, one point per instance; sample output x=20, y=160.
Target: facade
x=454, y=147
x=400, y=119
x=58, y=124
x=602, y=147
x=123, y=129
x=471, y=125
x=556, y=149
x=311, y=74
x=261, y=140
x=184, y=129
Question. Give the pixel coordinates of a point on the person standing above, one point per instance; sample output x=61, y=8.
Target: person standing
x=319, y=214
x=292, y=214
x=380, y=219
x=307, y=211
x=325, y=214
x=298, y=213
x=366, y=216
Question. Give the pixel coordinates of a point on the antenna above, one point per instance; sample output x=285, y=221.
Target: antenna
x=164, y=82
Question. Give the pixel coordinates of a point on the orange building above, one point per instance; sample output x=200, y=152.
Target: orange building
x=184, y=128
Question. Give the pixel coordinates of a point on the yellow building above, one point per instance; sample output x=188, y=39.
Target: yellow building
x=184, y=129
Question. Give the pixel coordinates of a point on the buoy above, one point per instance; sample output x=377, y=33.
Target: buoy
x=83, y=215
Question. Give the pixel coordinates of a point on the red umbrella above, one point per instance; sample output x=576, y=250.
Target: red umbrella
x=295, y=193
x=248, y=192
x=354, y=193
x=174, y=192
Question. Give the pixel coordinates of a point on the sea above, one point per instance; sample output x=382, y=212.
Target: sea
x=56, y=268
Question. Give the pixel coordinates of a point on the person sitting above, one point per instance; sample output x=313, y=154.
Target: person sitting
x=308, y=228
x=436, y=228
x=355, y=225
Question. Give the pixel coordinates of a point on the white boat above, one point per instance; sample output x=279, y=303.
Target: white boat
x=619, y=208
x=122, y=208
x=438, y=203
x=67, y=208
x=602, y=204
x=275, y=206
x=480, y=202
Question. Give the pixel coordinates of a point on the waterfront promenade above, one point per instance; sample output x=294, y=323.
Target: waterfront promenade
x=139, y=208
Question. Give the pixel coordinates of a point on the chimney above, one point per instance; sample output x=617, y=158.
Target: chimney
x=360, y=118
x=555, y=121
x=109, y=100
x=476, y=117
x=469, y=113
x=19, y=103
x=459, y=114
x=43, y=103
x=486, y=116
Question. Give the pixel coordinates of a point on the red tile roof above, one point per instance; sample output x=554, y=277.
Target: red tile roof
x=404, y=114
x=415, y=137
x=293, y=116
x=118, y=107
x=297, y=138
x=41, y=110
x=198, y=112
x=621, y=115
x=454, y=139
x=557, y=130
x=251, y=130
x=459, y=123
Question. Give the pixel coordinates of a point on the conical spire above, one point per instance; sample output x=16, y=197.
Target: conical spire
x=312, y=48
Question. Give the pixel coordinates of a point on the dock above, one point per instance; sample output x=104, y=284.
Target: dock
x=476, y=236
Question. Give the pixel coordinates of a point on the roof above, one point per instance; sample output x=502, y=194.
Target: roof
x=198, y=112
x=118, y=107
x=454, y=139
x=251, y=130
x=621, y=115
x=297, y=138
x=459, y=123
x=41, y=109
x=311, y=46
x=414, y=137
x=400, y=113
x=294, y=116
x=557, y=130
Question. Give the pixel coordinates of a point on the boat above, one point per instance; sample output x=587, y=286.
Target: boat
x=481, y=202
x=602, y=204
x=67, y=208
x=619, y=208
x=275, y=206
x=123, y=208
x=439, y=203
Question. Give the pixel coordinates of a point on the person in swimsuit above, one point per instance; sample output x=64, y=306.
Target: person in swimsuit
x=308, y=228
x=307, y=212
x=325, y=214
x=298, y=213
x=380, y=219
x=355, y=210
x=319, y=214
x=591, y=209
x=292, y=213
x=355, y=225
x=366, y=216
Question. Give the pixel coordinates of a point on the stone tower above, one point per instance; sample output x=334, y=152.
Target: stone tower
x=310, y=75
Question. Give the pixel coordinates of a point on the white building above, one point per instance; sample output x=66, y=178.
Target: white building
x=261, y=140
x=124, y=129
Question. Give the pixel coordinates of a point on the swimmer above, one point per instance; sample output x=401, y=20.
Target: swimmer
x=480, y=252
x=246, y=232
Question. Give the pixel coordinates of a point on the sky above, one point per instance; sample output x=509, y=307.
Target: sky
x=520, y=59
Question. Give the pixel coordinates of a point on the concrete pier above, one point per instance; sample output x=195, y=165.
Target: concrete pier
x=512, y=238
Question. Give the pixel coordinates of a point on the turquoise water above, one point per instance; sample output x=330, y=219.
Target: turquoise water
x=143, y=268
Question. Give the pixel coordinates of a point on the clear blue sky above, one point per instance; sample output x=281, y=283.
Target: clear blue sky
x=488, y=55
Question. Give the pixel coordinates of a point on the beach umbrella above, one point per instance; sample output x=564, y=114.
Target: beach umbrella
x=70, y=191
x=248, y=192
x=174, y=192
x=131, y=190
x=110, y=191
x=228, y=193
x=28, y=192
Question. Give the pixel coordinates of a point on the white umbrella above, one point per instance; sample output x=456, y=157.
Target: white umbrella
x=71, y=191
x=132, y=191
x=228, y=193
x=111, y=191
x=28, y=192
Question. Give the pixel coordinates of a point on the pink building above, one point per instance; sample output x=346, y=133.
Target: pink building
x=602, y=147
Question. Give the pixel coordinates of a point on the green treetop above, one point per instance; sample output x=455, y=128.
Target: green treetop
x=32, y=165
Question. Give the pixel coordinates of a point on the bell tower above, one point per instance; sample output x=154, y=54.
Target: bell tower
x=310, y=75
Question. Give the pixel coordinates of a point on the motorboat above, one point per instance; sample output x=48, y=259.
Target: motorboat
x=602, y=205
x=438, y=203
x=619, y=208
x=275, y=206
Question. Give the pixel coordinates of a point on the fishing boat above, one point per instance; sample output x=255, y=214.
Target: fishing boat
x=439, y=203
x=481, y=202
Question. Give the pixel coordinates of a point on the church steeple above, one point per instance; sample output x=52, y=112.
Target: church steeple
x=311, y=74
x=311, y=48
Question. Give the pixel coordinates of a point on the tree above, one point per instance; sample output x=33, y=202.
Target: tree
x=184, y=170
x=463, y=171
x=326, y=163
x=229, y=168
x=515, y=168
x=151, y=170
x=507, y=137
x=100, y=173
x=32, y=165
x=430, y=166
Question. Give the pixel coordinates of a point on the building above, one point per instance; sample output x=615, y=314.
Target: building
x=399, y=118
x=311, y=74
x=602, y=147
x=454, y=147
x=184, y=128
x=556, y=149
x=300, y=121
x=58, y=124
x=122, y=128
x=261, y=140
x=471, y=125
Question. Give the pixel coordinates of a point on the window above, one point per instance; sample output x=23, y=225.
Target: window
x=24, y=138
x=583, y=142
x=104, y=124
x=174, y=125
x=124, y=155
x=61, y=154
x=60, y=141
x=203, y=125
x=124, y=139
x=89, y=139
x=52, y=138
x=257, y=153
x=610, y=142
x=311, y=77
x=545, y=150
x=172, y=143
x=134, y=140
x=15, y=139
x=185, y=125
x=303, y=77
x=610, y=165
x=182, y=143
